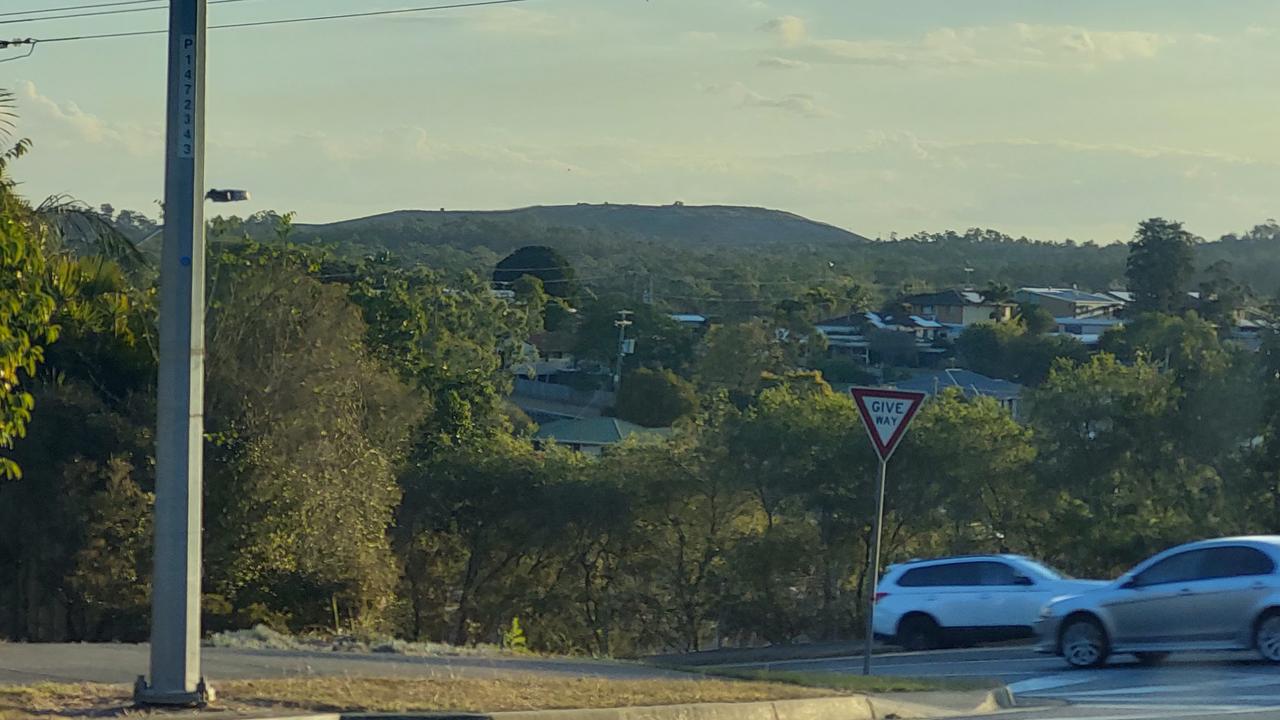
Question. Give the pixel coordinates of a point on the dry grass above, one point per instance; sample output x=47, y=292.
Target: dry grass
x=401, y=695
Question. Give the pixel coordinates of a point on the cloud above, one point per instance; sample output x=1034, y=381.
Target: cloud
x=1019, y=44
x=521, y=21
x=789, y=28
x=781, y=63
x=802, y=104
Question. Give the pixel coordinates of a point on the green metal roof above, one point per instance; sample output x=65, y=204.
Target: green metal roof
x=595, y=431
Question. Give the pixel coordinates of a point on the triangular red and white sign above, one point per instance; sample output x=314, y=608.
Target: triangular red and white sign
x=886, y=415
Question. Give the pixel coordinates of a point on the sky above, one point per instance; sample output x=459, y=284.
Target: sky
x=1043, y=118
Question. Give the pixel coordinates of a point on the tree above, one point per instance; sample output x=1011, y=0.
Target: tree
x=735, y=358
x=26, y=308
x=307, y=430
x=1160, y=266
x=1035, y=319
x=1010, y=352
x=542, y=262
x=1221, y=297
x=660, y=341
x=655, y=398
x=1111, y=461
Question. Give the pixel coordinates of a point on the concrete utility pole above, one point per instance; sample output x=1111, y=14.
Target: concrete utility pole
x=623, y=322
x=175, y=591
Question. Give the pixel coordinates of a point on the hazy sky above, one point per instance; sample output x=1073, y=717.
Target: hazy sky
x=1041, y=117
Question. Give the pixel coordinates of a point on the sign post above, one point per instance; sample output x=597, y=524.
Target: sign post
x=886, y=415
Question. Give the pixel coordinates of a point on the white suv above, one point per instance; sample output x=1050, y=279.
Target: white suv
x=925, y=604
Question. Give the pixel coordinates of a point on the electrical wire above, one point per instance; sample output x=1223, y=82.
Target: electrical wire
x=281, y=21
x=77, y=7
x=101, y=12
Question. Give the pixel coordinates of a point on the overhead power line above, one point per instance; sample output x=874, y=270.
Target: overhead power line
x=264, y=23
x=78, y=7
x=98, y=13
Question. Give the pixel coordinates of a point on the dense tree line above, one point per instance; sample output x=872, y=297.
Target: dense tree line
x=366, y=473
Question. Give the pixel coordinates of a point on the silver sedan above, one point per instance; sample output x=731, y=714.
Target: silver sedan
x=1203, y=596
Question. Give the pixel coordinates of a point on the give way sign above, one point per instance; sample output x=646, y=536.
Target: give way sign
x=886, y=415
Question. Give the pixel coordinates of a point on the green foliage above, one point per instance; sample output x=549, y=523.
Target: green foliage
x=1160, y=266
x=735, y=359
x=541, y=262
x=513, y=638
x=1011, y=352
x=26, y=310
x=660, y=341
x=307, y=430
x=1035, y=319
x=655, y=398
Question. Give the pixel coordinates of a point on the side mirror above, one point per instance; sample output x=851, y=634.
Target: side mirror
x=1023, y=580
x=1131, y=584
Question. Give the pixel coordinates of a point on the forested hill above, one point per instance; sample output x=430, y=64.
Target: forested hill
x=729, y=260
x=707, y=226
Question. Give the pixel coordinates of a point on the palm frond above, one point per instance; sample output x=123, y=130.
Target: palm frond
x=8, y=113
x=81, y=229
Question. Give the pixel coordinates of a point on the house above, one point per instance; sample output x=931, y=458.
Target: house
x=591, y=436
x=1088, y=330
x=1070, y=302
x=970, y=383
x=957, y=307
x=692, y=320
x=846, y=334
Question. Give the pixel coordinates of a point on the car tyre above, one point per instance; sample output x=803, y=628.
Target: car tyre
x=919, y=632
x=1151, y=658
x=1266, y=636
x=1083, y=642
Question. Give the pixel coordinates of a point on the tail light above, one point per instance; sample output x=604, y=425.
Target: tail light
x=880, y=596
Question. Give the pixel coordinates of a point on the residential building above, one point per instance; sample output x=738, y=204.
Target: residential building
x=970, y=383
x=1070, y=302
x=1088, y=330
x=957, y=307
x=591, y=436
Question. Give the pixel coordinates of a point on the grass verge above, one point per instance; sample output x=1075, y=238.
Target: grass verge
x=321, y=694
x=843, y=682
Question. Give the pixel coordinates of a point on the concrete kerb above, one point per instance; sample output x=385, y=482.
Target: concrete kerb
x=851, y=707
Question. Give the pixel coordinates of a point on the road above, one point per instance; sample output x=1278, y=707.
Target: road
x=1235, y=686
x=22, y=663
x=1188, y=686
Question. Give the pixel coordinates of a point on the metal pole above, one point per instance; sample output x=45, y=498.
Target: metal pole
x=874, y=570
x=622, y=322
x=175, y=590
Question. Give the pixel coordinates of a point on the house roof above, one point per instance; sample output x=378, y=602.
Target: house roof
x=1089, y=321
x=595, y=431
x=947, y=297
x=1070, y=295
x=691, y=318
x=971, y=383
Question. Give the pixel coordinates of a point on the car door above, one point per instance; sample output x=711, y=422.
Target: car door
x=1008, y=598
x=1152, y=607
x=954, y=598
x=1234, y=582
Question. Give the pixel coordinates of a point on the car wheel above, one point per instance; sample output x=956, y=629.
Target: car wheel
x=1151, y=658
x=919, y=632
x=1266, y=637
x=1084, y=643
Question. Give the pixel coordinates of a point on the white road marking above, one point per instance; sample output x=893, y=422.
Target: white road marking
x=1051, y=682
x=1159, y=711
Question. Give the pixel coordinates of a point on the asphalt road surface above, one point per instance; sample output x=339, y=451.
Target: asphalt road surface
x=22, y=663
x=1186, y=686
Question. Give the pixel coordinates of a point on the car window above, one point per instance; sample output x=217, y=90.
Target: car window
x=1239, y=561
x=1045, y=570
x=942, y=575
x=1175, y=568
x=997, y=573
